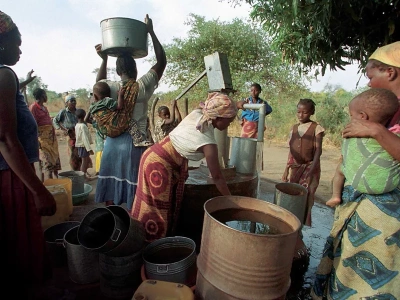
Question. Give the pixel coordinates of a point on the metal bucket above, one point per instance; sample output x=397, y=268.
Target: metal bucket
x=83, y=264
x=245, y=155
x=263, y=270
x=101, y=230
x=78, y=180
x=124, y=36
x=134, y=239
x=54, y=237
x=120, y=276
x=293, y=197
x=171, y=259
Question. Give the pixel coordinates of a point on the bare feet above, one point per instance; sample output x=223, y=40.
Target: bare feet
x=333, y=202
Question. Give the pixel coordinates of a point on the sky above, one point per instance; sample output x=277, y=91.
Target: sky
x=58, y=36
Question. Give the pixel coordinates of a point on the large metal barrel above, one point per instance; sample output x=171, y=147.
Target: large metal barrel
x=78, y=180
x=120, y=276
x=237, y=261
x=199, y=188
x=83, y=264
x=293, y=197
x=171, y=259
x=124, y=36
x=246, y=155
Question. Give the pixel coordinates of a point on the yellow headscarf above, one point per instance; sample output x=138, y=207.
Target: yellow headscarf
x=217, y=105
x=389, y=54
x=6, y=23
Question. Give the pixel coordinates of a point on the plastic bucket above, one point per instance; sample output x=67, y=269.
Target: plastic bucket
x=54, y=237
x=239, y=263
x=101, y=230
x=124, y=36
x=134, y=239
x=120, y=276
x=171, y=259
x=66, y=183
x=293, y=197
x=78, y=180
x=62, y=214
x=83, y=264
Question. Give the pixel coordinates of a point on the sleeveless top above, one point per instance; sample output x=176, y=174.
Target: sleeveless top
x=26, y=128
x=302, y=147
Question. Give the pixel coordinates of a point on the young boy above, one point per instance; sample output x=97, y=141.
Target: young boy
x=365, y=165
x=167, y=121
x=115, y=117
x=83, y=141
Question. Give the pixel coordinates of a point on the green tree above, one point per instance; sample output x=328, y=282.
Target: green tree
x=334, y=33
x=250, y=58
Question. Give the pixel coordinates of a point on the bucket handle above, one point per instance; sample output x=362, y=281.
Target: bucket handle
x=113, y=238
x=59, y=242
x=162, y=269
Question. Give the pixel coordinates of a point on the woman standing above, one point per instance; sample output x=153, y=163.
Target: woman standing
x=120, y=160
x=48, y=145
x=66, y=121
x=23, y=197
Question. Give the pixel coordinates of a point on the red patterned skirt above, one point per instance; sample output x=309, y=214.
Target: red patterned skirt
x=162, y=175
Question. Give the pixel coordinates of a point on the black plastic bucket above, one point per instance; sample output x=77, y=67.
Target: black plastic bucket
x=54, y=237
x=101, y=230
x=171, y=259
x=83, y=264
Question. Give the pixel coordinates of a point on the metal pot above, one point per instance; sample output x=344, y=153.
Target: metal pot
x=124, y=36
x=54, y=237
x=101, y=230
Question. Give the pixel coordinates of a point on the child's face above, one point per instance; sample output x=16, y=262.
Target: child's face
x=377, y=77
x=356, y=110
x=254, y=92
x=164, y=114
x=304, y=112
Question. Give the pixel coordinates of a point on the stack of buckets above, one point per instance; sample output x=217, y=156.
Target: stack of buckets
x=118, y=240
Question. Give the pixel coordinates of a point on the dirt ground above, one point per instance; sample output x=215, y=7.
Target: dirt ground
x=275, y=157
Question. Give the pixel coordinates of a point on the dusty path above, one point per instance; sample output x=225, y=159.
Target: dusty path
x=275, y=157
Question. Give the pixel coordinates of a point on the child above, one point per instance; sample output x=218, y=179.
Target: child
x=250, y=117
x=304, y=158
x=167, y=121
x=365, y=165
x=83, y=141
x=115, y=117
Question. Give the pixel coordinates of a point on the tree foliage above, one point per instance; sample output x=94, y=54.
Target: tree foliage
x=322, y=33
x=249, y=55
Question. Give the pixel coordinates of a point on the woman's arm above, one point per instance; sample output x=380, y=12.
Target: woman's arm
x=161, y=63
x=364, y=128
x=102, y=73
x=29, y=79
x=211, y=153
x=11, y=148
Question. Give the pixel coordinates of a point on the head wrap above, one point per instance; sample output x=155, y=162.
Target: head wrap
x=69, y=98
x=6, y=23
x=217, y=105
x=389, y=54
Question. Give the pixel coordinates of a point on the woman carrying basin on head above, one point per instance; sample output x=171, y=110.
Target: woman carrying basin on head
x=164, y=166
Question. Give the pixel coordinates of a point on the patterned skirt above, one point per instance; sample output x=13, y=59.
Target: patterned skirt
x=361, y=259
x=162, y=175
x=48, y=148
